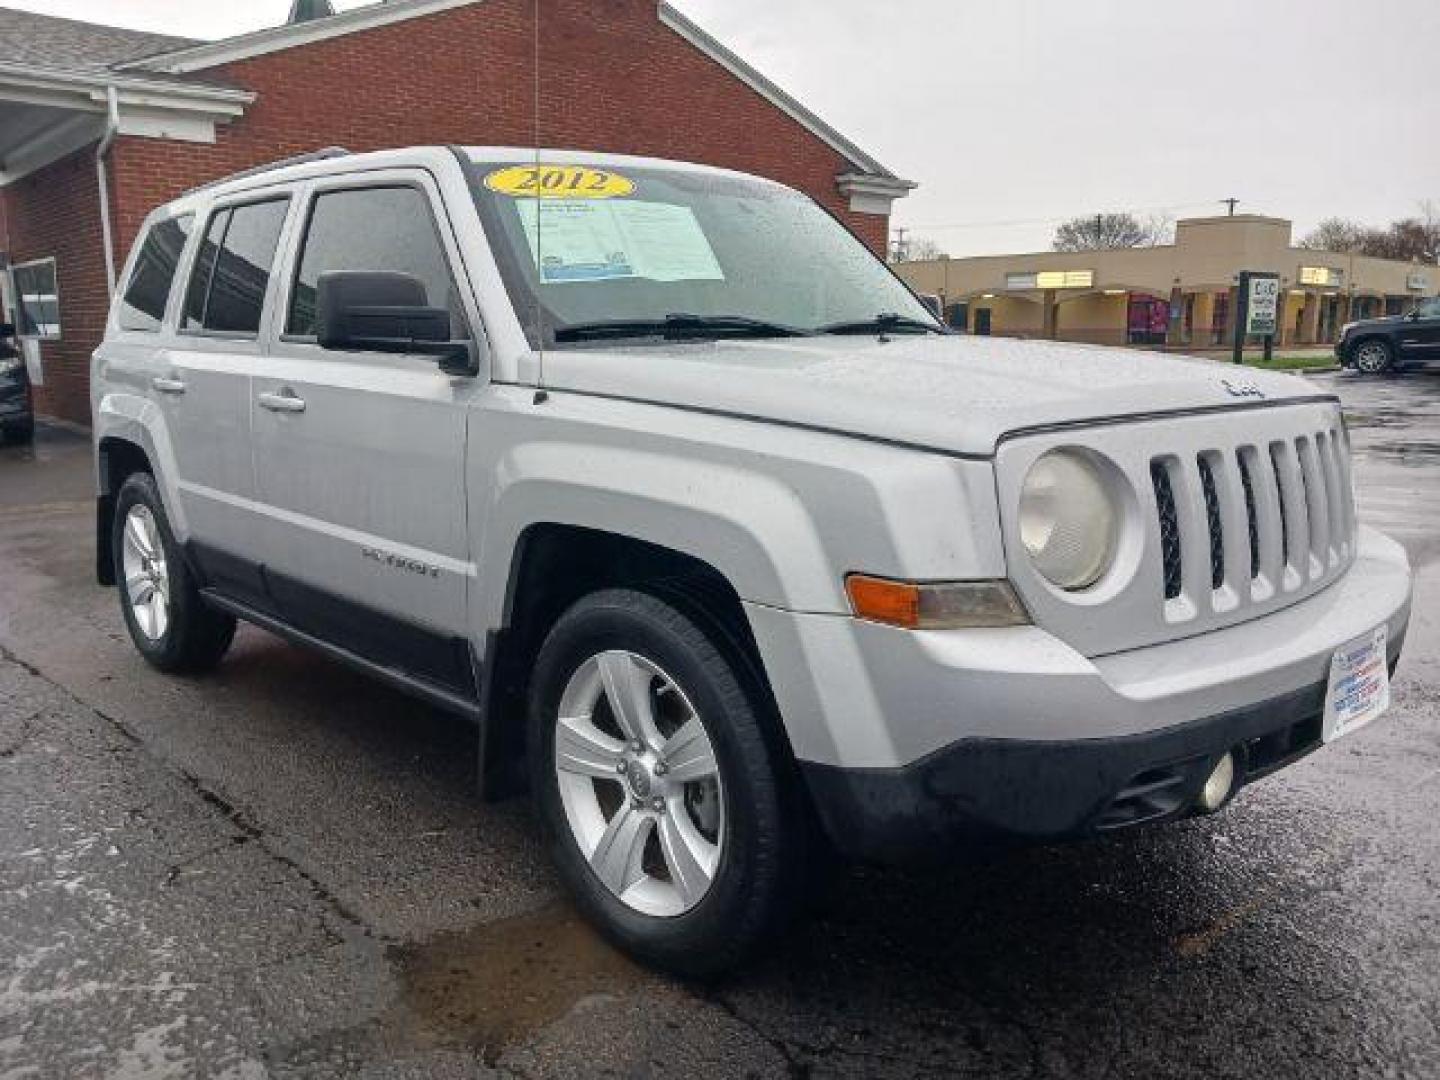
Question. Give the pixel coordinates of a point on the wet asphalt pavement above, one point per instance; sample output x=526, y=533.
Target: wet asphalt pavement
x=280, y=869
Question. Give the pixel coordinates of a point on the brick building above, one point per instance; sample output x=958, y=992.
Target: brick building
x=98, y=124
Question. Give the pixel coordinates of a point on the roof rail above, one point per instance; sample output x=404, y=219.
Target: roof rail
x=256, y=170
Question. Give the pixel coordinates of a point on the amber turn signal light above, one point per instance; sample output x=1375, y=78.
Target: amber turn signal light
x=944, y=605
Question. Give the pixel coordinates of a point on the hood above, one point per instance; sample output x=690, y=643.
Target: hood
x=1379, y=320
x=955, y=393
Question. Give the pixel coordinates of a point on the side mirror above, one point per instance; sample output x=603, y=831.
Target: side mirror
x=7, y=329
x=1413, y=313
x=382, y=312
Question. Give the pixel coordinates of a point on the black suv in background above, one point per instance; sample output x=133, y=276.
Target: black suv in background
x=1374, y=346
x=17, y=406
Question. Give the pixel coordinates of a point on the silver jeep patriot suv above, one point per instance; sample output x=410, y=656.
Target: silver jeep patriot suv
x=731, y=553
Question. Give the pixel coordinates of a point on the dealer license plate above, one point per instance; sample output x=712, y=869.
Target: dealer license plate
x=1359, y=688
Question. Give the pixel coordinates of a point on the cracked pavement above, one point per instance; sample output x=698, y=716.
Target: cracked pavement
x=280, y=869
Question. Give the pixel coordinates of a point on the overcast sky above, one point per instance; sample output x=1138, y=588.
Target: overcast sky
x=1012, y=114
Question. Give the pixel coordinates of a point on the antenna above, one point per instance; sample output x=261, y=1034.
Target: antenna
x=540, y=393
x=1231, y=203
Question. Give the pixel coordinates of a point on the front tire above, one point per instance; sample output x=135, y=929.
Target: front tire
x=665, y=793
x=1373, y=357
x=171, y=626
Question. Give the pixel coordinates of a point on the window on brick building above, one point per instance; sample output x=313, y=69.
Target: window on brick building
x=37, y=299
x=232, y=270
x=142, y=307
x=376, y=229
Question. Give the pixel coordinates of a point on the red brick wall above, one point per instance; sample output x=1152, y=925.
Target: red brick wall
x=613, y=79
x=56, y=212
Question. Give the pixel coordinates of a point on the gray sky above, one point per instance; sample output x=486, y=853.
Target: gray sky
x=1013, y=114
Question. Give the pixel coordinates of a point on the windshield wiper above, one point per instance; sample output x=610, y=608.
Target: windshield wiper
x=884, y=323
x=677, y=326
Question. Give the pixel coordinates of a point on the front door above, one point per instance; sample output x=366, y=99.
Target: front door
x=359, y=456
x=982, y=321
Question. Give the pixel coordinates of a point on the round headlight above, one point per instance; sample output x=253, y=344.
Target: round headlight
x=1068, y=522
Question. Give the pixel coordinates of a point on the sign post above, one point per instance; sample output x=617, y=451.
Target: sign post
x=1259, y=313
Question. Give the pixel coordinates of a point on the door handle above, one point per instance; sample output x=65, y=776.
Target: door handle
x=167, y=386
x=284, y=401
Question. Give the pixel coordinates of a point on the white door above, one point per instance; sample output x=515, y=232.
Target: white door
x=202, y=381
x=359, y=456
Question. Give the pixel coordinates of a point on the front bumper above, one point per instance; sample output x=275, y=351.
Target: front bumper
x=908, y=740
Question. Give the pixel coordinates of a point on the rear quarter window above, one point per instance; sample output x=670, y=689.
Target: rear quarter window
x=142, y=306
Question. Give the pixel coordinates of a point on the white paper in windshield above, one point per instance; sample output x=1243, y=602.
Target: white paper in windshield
x=592, y=240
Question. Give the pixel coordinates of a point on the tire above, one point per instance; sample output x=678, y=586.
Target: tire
x=1374, y=357
x=22, y=432
x=705, y=865
x=181, y=633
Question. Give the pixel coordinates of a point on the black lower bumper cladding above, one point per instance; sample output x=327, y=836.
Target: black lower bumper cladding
x=987, y=790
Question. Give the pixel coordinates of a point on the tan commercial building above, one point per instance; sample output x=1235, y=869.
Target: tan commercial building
x=1180, y=295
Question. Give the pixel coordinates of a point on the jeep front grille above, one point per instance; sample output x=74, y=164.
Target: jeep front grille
x=1289, y=498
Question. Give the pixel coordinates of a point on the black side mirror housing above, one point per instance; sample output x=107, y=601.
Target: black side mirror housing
x=372, y=311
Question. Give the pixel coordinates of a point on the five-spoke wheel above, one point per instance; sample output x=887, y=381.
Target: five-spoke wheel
x=143, y=563
x=663, y=782
x=168, y=619
x=641, y=787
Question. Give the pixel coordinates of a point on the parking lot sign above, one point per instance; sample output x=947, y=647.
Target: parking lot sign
x=1262, y=308
x=1259, y=314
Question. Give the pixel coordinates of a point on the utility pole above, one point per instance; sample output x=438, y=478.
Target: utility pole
x=1231, y=203
x=900, y=245
x=1098, y=232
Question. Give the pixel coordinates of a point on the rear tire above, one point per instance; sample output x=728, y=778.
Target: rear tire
x=674, y=819
x=171, y=626
x=1374, y=357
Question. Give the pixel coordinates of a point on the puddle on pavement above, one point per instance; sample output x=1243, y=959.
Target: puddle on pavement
x=496, y=985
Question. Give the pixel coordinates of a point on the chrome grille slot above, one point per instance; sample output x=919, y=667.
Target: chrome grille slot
x=1245, y=457
x=1317, y=509
x=1170, y=555
x=1213, y=523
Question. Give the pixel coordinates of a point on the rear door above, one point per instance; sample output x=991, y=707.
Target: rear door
x=359, y=456
x=203, y=384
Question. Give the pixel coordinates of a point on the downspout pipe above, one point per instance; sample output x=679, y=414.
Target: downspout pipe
x=112, y=128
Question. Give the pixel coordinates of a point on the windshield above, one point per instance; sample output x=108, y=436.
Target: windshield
x=632, y=251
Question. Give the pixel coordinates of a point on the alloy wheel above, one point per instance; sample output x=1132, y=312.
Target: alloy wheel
x=640, y=783
x=1372, y=357
x=147, y=579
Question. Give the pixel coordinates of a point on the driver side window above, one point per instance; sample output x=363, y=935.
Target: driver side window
x=372, y=229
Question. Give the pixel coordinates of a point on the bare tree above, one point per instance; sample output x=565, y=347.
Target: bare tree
x=1407, y=239
x=1335, y=234
x=913, y=248
x=1097, y=232
x=922, y=247
x=1161, y=229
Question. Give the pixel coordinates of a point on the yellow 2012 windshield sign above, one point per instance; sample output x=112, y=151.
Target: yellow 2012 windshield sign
x=559, y=182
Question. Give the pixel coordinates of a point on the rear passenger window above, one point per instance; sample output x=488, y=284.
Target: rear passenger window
x=143, y=305
x=232, y=270
x=387, y=228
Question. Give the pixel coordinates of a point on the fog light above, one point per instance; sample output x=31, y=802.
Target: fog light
x=1219, y=784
